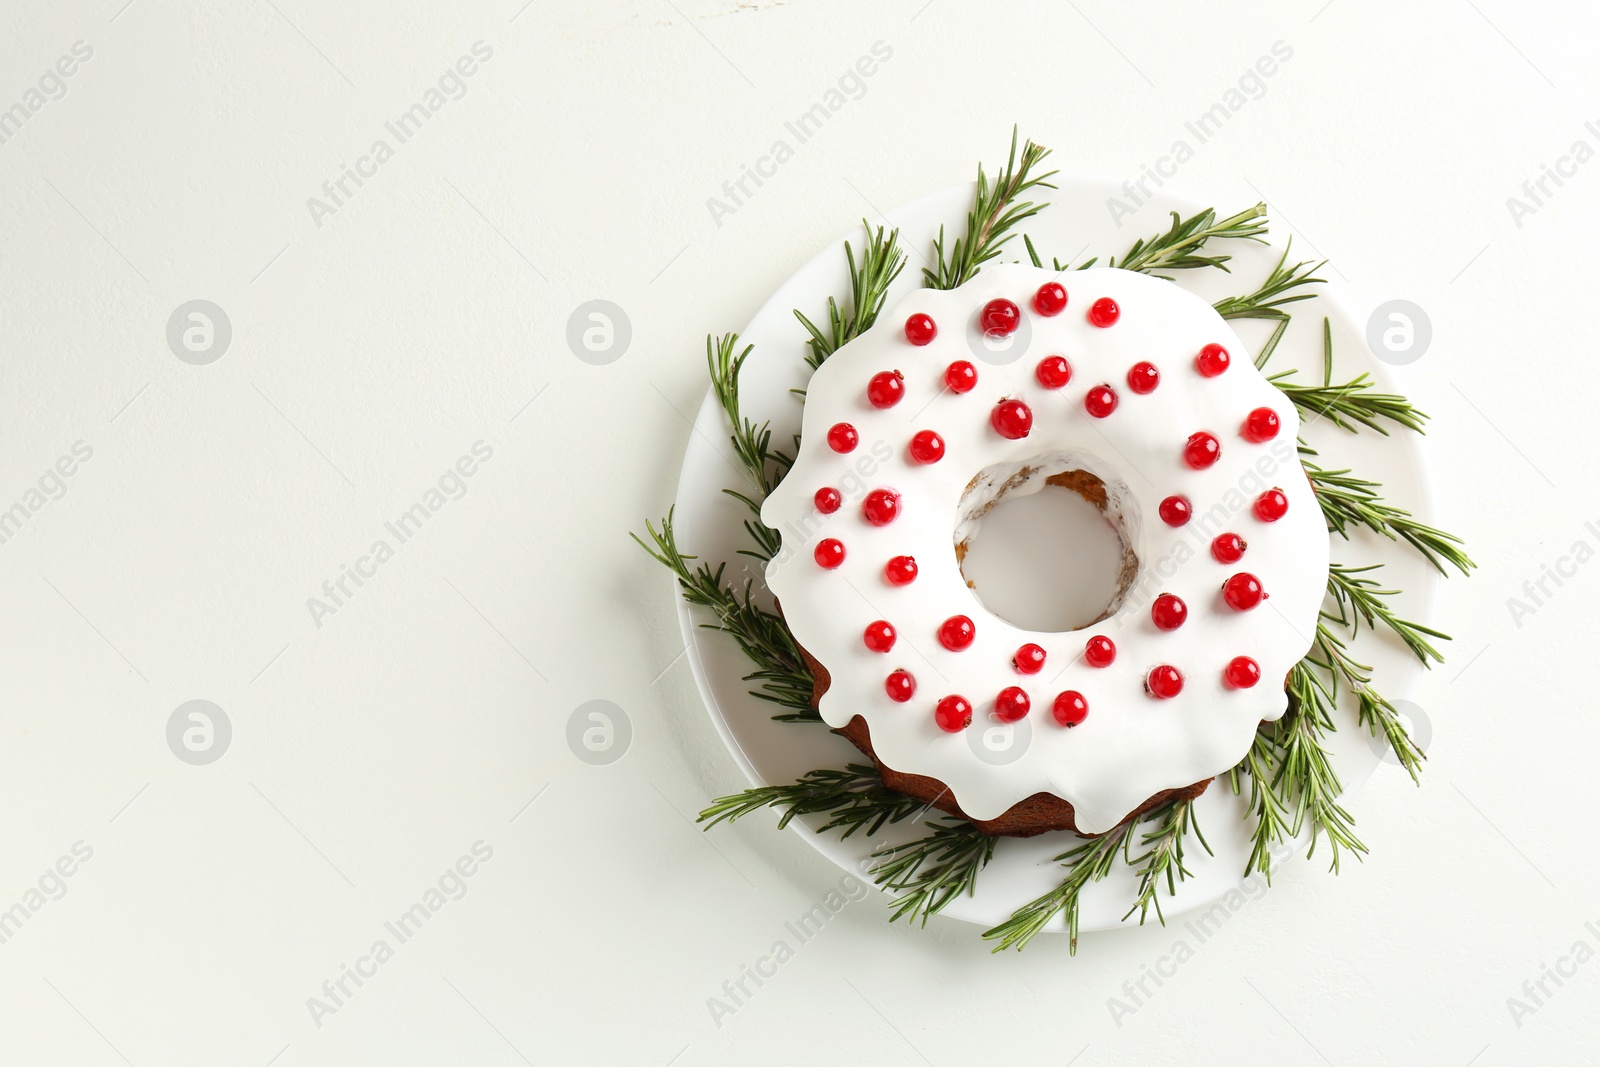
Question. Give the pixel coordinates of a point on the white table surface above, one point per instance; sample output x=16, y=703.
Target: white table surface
x=372, y=345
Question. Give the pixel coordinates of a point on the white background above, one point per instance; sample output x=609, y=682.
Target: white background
x=369, y=352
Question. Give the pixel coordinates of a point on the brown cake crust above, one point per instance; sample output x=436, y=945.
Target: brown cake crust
x=1032, y=815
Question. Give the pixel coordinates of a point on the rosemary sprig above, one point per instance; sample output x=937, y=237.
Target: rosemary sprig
x=752, y=444
x=1377, y=714
x=1351, y=403
x=1380, y=716
x=1087, y=863
x=881, y=263
x=995, y=213
x=1272, y=343
x=1272, y=811
x=1360, y=598
x=927, y=874
x=781, y=674
x=854, y=798
x=767, y=540
x=1268, y=299
x=1182, y=246
x=1055, y=264
x=1033, y=253
x=1162, y=858
x=1348, y=405
x=1348, y=501
x=1305, y=776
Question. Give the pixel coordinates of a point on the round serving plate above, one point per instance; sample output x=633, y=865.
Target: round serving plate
x=1075, y=226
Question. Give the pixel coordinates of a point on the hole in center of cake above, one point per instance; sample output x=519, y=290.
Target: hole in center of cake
x=1048, y=545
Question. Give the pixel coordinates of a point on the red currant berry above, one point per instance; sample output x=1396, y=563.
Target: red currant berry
x=901, y=570
x=1000, y=317
x=1011, y=419
x=1164, y=682
x=1175, y=510
x=881, y=506
x=1243, y=591
x=1227, y=548
x=886, y=388
x=961, y=376
x=842, y=437
x=920, y=329
x=1100, y=652
x=953, y=714
x=900, y=686
x=1202, y=450
x=827, y=500
x=1029, y=659
x=829, y=553
x=1053, y=372
x=1272, y=505
x=878, y=636
x=1242, y=672
x=1070, y=708
x=1212, y=360
x=1051, y=298
x=957, y=633
x=927, y=447
x=1260, y=425
x=1143, y=377
x=1101, y=401
x=1168, y=612
x=1104, y=312
x=1012, y=704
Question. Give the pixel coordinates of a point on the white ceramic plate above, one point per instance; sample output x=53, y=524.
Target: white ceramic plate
x=1076, y=225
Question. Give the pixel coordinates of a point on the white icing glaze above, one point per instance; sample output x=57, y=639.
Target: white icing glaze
x=1132, y=745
